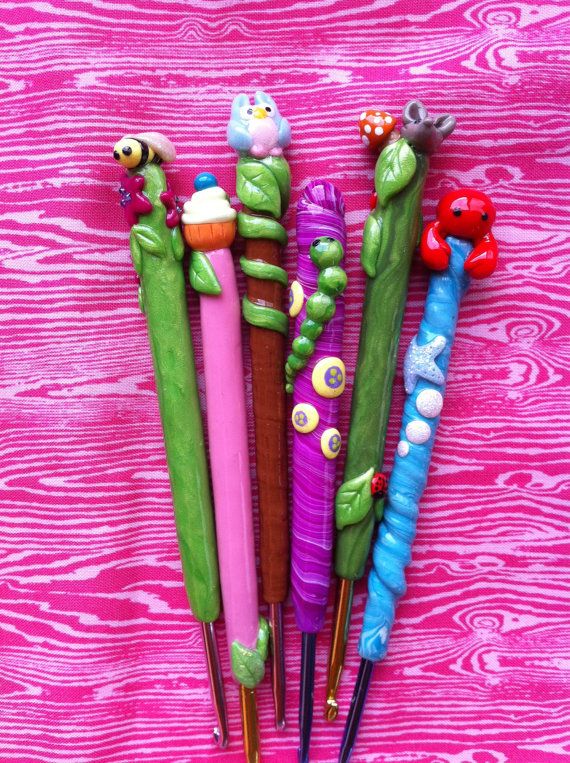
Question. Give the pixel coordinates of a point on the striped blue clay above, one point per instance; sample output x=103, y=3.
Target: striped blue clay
x=425, y=372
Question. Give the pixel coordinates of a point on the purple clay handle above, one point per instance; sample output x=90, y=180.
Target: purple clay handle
x=316, y=374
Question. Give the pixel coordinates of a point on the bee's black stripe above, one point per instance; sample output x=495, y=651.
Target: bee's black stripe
x=144, y=153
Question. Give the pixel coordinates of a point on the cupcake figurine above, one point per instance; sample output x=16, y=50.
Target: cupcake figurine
x=209, y=220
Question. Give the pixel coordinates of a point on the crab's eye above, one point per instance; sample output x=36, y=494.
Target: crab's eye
x=484, y=216
x=457, y=212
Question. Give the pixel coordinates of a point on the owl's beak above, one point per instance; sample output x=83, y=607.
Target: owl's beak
x=259, y=113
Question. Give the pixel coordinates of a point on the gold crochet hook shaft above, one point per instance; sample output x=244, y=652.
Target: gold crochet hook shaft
x=249, y=724
x=338, y=644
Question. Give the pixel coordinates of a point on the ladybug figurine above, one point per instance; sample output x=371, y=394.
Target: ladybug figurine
x=379, y=485
x=468, y=214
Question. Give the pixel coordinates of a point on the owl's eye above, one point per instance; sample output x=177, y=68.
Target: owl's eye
x=246, y=112
x=269, y=110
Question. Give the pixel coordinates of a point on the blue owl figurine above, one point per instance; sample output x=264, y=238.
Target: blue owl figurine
x=258, y=129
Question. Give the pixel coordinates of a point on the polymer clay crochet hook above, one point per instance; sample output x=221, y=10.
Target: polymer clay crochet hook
x=458, y=246
x=316, y=375
x=209, y=226
x=259, y=133
x=157, y=250
x=390, y=238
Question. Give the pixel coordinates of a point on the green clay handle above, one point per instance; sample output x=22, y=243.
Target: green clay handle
x=157, y=251
x=383, y=313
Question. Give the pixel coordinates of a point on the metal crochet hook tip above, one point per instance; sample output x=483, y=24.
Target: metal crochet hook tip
x=338, y=644
x=249, y=724
x=332, y=709
x=356, y=708
x=277, y=663
x=220, y=733
x=308, y=651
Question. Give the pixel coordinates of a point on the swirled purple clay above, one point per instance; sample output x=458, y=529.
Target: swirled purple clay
x=315, y=374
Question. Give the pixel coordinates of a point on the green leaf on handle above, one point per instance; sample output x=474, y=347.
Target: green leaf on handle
x=371, y=241
x=354, y=500
x=202, y=276
x=379, y=509
x=394, y=170
x=177, y=244
x=248, y=665
x=280, y=168
x=136, y=254
x=148, y=239
x=257, y=187
x=263, y=638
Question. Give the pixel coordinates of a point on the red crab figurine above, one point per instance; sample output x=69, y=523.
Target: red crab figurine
x=464, y=213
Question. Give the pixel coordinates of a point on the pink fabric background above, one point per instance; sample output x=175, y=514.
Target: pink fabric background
x=100, y=656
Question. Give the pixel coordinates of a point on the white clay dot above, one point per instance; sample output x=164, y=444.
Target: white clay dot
x=418, y=432
x=378, y=131
x=403, y=448
x=388, y=120
x=429, y=403
x=363, y=115
x=367, y=128
x=377, y=113
x=365, y=140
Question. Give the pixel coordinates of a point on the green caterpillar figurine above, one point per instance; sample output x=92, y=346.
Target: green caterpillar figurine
x=326, y=253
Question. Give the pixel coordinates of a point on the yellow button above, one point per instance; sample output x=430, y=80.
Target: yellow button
x=296, y=297
x=305, y=417
x=331, y=442
x=329, y=377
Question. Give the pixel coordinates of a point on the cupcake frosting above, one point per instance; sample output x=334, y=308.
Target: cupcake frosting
x=210, y=205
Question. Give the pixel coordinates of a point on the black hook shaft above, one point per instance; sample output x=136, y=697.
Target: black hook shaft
x=356, y=707
x=306, y=693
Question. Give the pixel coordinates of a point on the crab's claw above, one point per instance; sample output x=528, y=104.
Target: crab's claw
x=482, y=260
x=434, y=250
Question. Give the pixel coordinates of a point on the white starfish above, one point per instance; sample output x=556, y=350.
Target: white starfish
x=420, y=362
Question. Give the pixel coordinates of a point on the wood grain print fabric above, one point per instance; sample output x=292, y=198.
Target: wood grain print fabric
x=100, y=658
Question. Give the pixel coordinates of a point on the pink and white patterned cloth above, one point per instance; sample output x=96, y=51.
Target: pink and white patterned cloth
x=100, y=658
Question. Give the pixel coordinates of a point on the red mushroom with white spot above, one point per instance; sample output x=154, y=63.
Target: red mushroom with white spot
x=375, y=127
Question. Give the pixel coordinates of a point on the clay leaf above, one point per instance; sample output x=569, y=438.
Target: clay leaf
x=147, y=239
x=280, y=169
x=202, y=276
x=257, y=187
x=395, y=169
x=248, y=665
x=177, y=244
x=354, y=500
x=136, y=255
x=371, y=240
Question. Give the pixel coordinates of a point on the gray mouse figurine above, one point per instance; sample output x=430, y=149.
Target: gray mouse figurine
x=422, y=131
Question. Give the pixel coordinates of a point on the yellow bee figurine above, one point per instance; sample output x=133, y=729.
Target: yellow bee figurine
x=134, y=151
